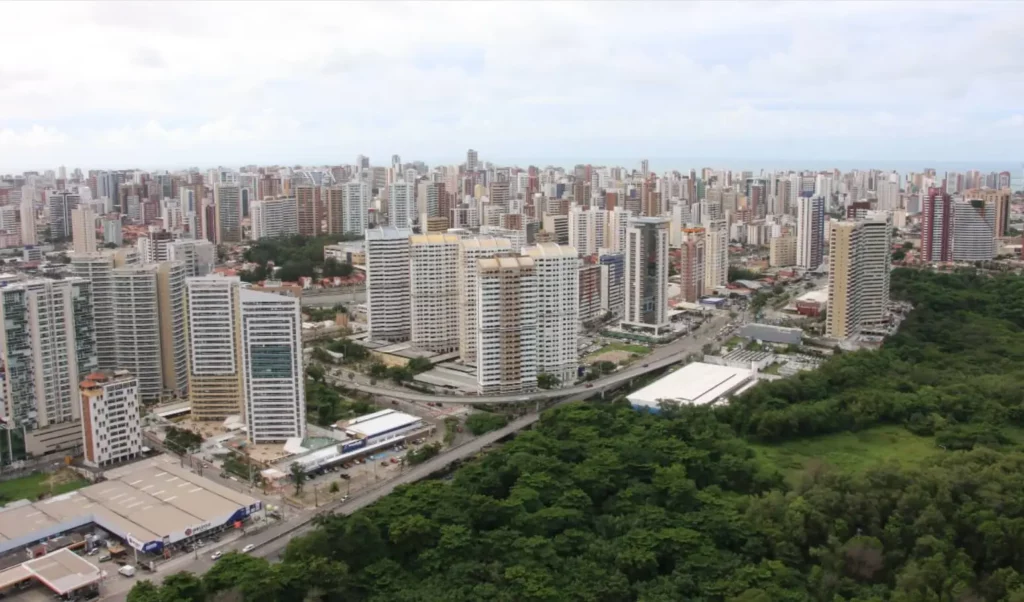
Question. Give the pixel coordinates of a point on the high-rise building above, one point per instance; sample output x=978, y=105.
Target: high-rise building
x=613, y=274
x=936, y=226
x=112, y=231
x=810, y=232
x=111, y=421
x=98, y=269
x=499, y=195
x=356, y=202
x=402, y=204
x=590, y=303
x=149, y=317
x=1000, y=202
x=215, y=385
x=782, y=251
x=646, y=279
x=227, y=202
x=309, y=209
x=471, y=250
x=62, y=203
x=506, y=325
x=334, y=204
x=716, y=255
x=556, y=272
x=387, y=283
x=153, y=247
x=558, y=225
x=691, y=264
x=274, y=218
x=29, y=236
x=888, y=193
x=858, y=280
x=471, y=161
x=434, y=299
x=974, y=227
x=83, y=229
x=587, y=229
x=48, y=343
x=199, y=256
x=272, y=373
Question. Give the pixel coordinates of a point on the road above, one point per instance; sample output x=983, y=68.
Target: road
x=271, y=542
x=659, y=358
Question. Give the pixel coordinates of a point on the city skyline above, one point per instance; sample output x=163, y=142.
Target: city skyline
x=772, y=83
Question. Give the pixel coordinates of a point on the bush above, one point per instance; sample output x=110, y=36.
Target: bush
x=485, y=422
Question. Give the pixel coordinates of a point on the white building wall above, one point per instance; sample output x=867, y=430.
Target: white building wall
x=434, y=299
x=387, y=283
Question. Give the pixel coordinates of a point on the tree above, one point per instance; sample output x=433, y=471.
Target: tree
x=485, y=422
x=109, y=245
x=898, y=255
x=182, y=586
x=334, y=487
x=315, y=372
x=908, y=245
x=547, y=381
x=145, y=591
x=420, y=364
x=298, y=475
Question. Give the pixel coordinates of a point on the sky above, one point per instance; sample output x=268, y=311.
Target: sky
x=130, y=84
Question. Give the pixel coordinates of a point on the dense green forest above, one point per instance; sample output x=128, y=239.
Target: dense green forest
x=600, y=503
x=296, y=256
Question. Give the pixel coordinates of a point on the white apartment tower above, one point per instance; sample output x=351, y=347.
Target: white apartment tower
x=618, y=224
x=506, y=329
x=387, y=283
x=355, y=203
x=434, y=299
x=646, y=277
x=48, y=343
x=274, y=218
x=974, y=230
x=273, y=377
x=716, y=255
x=215, y=386
x=111, y=420
x=557, y=273
x=199, y=256
x=471, y=251
x=402, y=204
x=98, y=268
x=587, y=229
x=858, y=279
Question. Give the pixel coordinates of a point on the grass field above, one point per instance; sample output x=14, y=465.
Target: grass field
x=33, y=485
x=638, y=349
x=848, y=451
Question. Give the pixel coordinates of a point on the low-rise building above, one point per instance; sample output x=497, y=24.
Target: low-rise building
x=111, y=423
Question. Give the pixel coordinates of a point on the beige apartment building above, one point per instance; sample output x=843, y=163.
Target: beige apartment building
x=434, y=298
x=507, y=325
x=782, y=251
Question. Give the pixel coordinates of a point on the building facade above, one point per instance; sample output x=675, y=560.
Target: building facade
x=692, y=264
x=434, y=298
x=506, y=332
x=716, y=255
x=215, y=386
x=810, y=232
x=274, y=218
x=111, y=420
x=471, y=250
x=646, y=277
x=556, y=271
x=387, y=283
x=974, y=230
x=936, y=226
x=272, y=373
x=858, y=282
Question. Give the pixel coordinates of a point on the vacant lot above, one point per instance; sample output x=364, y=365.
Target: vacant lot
x=848, y=451
x=34, y=485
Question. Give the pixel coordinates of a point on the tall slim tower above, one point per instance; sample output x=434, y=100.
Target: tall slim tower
x=356, y=200
x=691, y=264
x=810, y=232
x=83, y=229
x=936, y=226
x=434, y=299
x=309, y=209
x=647, y=274
x=227, y=201
x=716, y=254
x=387, y=283
x=858, y=281
x=506, y=325
x=334, y=204
x=402, y=204
x=471, y=161
x=215, y=378
x=48, y=345
x=471, y=250
x=557, y=273
x=98, y=268
x=273, y=377
x=62, y=203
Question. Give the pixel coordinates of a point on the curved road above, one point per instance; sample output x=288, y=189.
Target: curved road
x=661, y=357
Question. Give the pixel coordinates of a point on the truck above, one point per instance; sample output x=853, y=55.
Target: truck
x=127, y=570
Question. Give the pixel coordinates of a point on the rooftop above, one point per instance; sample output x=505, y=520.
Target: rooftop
x=486, y=242
x=387, y=233
x=433, y=239
x=380, y=423
x=550, y=249
x=694, y=384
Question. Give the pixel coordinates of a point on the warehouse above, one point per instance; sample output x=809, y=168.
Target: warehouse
x=694, y=384
x=363, y=435
x=150, y=505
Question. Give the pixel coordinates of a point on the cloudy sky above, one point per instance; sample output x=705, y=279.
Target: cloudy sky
x=178, y=84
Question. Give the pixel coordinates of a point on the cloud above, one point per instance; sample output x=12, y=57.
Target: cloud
x=319, y=82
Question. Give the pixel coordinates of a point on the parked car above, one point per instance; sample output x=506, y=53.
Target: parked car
x=248, y=548
x=216, y=555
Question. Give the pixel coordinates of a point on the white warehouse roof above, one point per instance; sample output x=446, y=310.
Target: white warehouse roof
x=694, y=384
x=381, y=423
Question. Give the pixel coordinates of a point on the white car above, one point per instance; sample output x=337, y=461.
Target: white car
x=216, y=555
x=248, y=548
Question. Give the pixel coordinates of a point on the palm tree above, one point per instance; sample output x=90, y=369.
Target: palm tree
x=298, y=475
